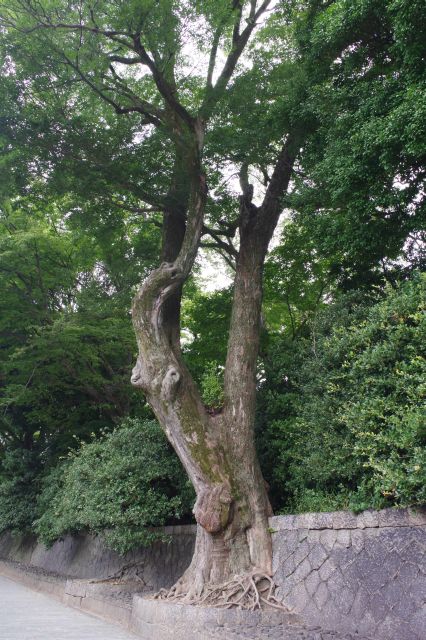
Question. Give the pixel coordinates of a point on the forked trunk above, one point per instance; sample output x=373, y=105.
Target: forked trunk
x=218, y=453
x=231, y=508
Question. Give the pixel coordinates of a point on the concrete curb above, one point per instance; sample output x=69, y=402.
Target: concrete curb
x=50, y=585
x=157, y=620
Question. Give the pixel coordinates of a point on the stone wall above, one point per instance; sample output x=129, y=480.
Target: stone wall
x=85, y=556
x=359, y=574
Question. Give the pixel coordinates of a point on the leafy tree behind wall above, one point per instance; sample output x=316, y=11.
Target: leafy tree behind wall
x=360, y=191
x=67, y=344
x=341, y=416
x=61, y=358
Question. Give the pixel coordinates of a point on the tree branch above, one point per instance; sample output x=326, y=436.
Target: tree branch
x=239, y=41
x=43, y=21
x=140, y=210
x=226, y=246
x=130, y=41
x=281, y=174
x=224, y=256
x=164, y=87
x=124, y=60
x=136, y=108
x=149, y=110
x=159, y=202
x=236, y=4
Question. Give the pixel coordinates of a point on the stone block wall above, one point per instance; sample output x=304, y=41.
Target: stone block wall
x=360, y=574
x=85, y=556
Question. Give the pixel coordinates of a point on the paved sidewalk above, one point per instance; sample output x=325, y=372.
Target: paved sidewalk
x=28, y=615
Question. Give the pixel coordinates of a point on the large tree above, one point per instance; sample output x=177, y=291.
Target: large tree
x=207, y=89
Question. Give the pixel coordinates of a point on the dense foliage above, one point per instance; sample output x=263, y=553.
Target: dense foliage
x=341, y=370
x=19, y=487
x=342, y=411
x=120, y=486
x=363, y=200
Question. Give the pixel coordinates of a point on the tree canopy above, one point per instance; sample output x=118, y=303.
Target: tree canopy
x=288, y=139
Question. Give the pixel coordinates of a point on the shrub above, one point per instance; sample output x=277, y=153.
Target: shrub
x=119, y=486
x=344, y=411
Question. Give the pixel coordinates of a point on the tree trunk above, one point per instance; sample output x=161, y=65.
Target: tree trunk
x=218, y=453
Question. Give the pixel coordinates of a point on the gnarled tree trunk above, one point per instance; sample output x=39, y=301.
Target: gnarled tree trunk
x=218, y=452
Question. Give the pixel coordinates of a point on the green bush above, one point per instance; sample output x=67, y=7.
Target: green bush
x=18, y=490
x=344, y=411
x=119, y=486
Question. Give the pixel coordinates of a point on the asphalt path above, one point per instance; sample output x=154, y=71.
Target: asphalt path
x=28, y=615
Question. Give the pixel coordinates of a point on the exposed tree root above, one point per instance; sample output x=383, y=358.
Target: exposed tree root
x=250, y=591
x=131, y=569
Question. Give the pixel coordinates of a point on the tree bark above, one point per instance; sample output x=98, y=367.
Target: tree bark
x=218, y=453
